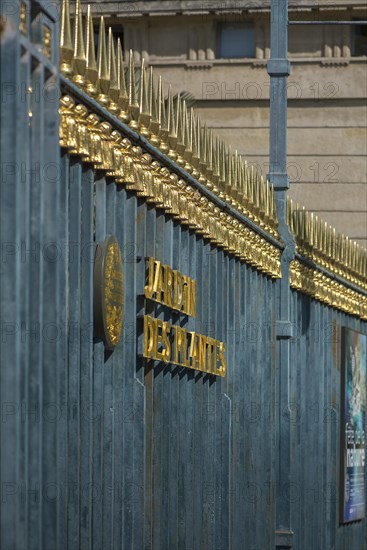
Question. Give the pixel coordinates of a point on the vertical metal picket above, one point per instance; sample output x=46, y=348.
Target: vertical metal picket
x=10, y=306
x=86, y=354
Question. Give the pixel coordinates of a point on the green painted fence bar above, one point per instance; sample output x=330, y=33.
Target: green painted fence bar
x=168, y=430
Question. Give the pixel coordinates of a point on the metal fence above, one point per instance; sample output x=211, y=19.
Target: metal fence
x=103, y=449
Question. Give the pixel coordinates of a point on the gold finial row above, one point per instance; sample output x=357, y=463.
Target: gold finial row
x=84, y=133
x=137, y=99
x=320, y=242
x=167, y=123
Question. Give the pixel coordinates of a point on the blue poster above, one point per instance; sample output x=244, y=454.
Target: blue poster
x=353, y=411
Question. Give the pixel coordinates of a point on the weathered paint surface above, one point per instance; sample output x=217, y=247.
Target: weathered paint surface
x=100, y=451
x=176, y=458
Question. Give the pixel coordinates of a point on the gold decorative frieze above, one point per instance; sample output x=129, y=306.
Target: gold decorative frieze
x=319, y=242
x=83, y=133
x=327, y=290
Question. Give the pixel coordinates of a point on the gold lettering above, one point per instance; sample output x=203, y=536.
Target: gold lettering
x=177, y=290
x=159, y=355
x=186, y=294
x=212, y=355
x=202, y=353
x=157, y=286
x=149, y=337
x=165, y=332
x=148, y=289
x=168, y=285
x=180, y=348
x=193, y=353
x=223, y=367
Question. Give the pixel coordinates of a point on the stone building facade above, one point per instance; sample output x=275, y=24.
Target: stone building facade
x=218, y=51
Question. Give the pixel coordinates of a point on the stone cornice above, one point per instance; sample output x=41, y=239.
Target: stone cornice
x=163, y=8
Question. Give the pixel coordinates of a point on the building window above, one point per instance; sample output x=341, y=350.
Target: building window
x=236, y=40
x=359, y=43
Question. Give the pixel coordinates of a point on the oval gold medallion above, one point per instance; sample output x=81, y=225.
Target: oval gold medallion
x=108, y=292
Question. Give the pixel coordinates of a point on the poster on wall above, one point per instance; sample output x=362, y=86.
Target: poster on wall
x=353, y=417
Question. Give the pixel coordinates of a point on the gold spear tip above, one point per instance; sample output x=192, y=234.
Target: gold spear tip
x=210, y=150
x=79, y=60
x=171, y=115
x=114, y=90
x=91, y=73
x=133, y=100
x=143, y=96
x=199, y=139
x=178, y=119
x=162, y=113
x=66, y=46
x=152, y=99
x=103, y=75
